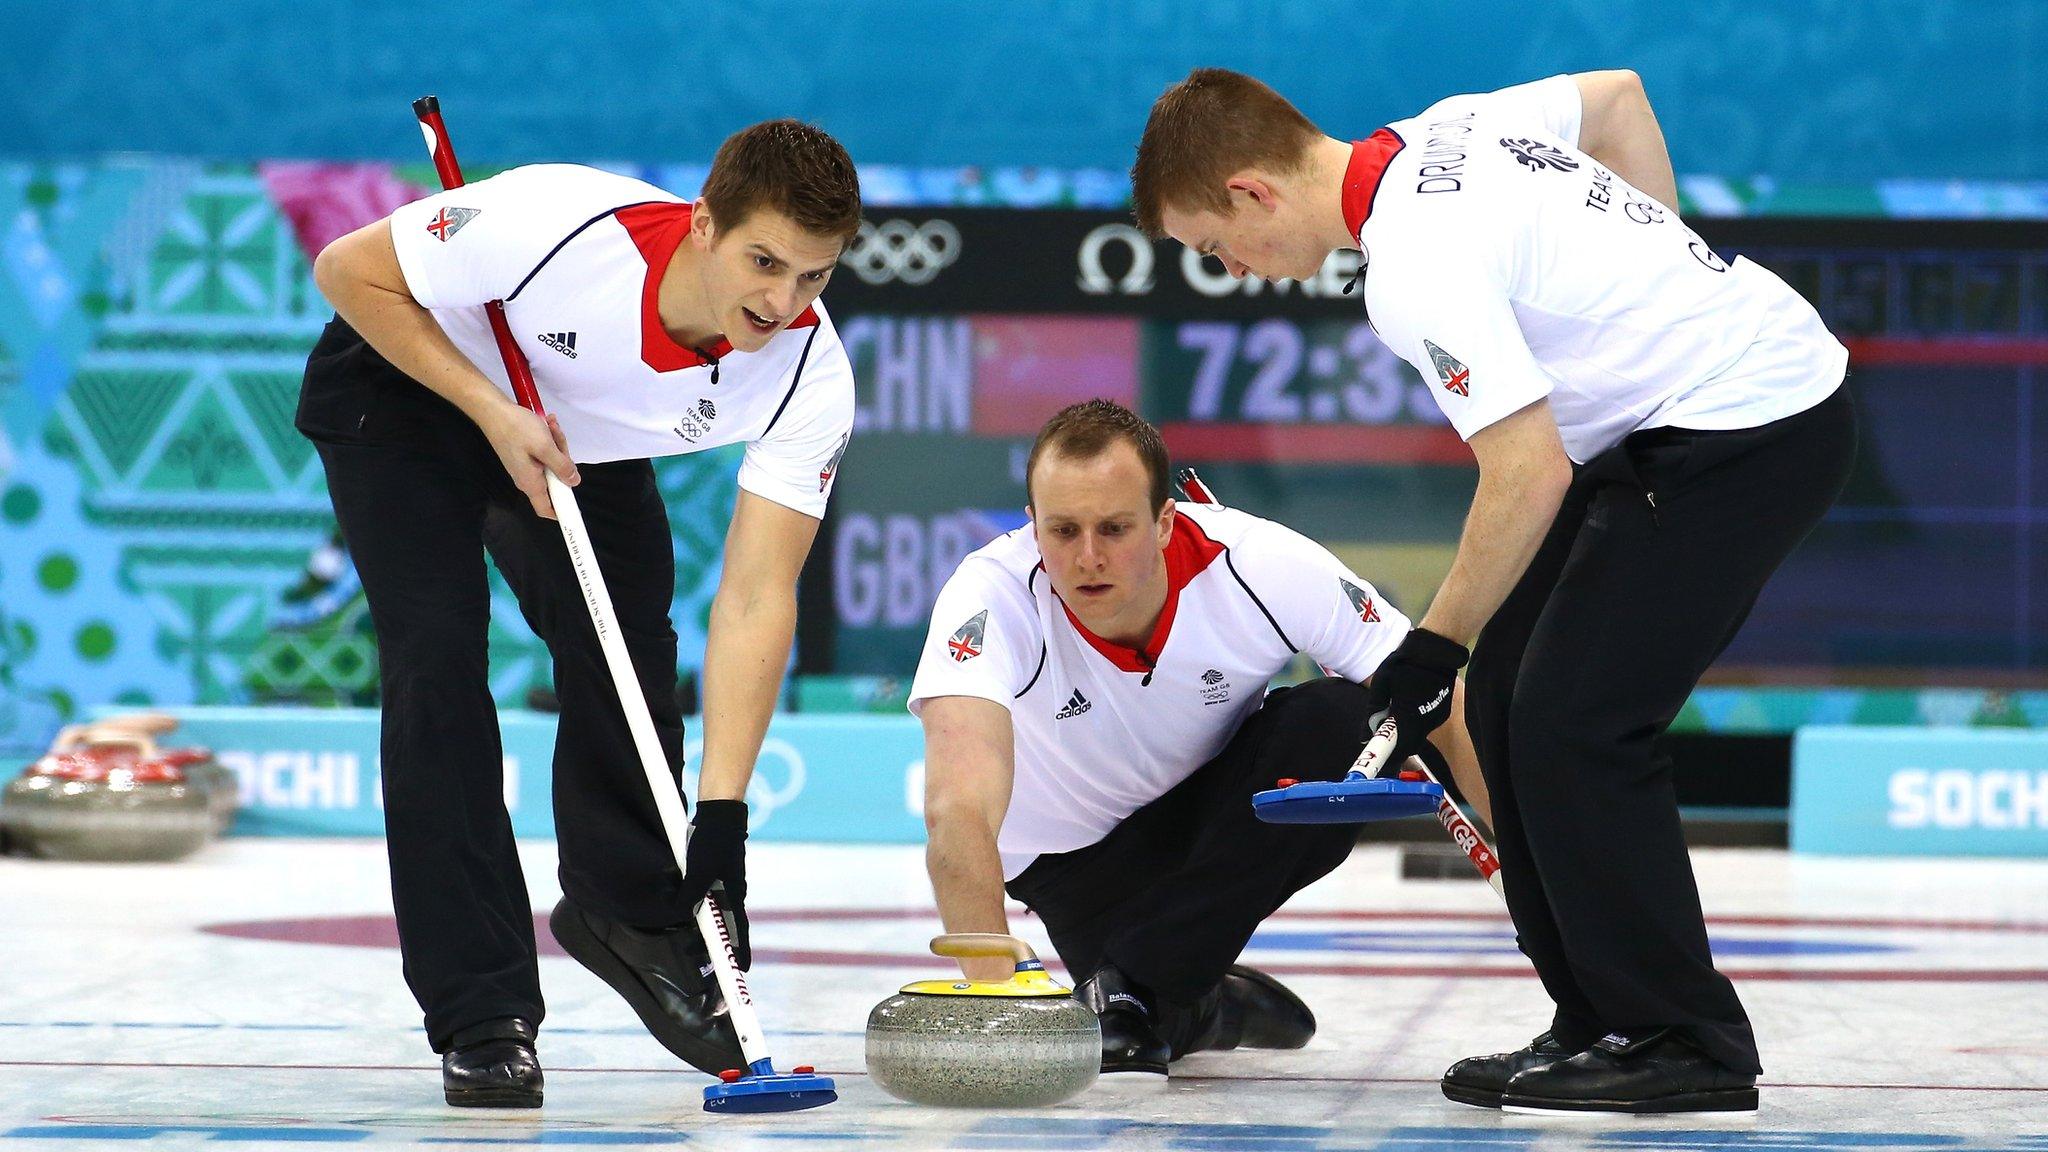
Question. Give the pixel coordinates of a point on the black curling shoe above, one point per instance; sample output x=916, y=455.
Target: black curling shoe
x=1480, y=1080
x=1655, y=1073
x=1130, y=1042
x=1269, y=1014
x=1247, y=1009
x=665, y=977
x=492, y=1065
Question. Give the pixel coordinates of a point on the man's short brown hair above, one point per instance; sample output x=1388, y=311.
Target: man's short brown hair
x=1084, y=431
x=1202, y=131
x=790, y=167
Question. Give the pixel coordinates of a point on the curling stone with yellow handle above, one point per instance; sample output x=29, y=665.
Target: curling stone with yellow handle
x=984, y=1043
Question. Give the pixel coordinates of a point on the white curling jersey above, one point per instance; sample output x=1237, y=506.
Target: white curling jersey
x=1101, y=730
x=577, y=254
x=1508, y=266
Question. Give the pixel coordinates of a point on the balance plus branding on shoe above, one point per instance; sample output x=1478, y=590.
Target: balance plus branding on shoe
x=1100, y=729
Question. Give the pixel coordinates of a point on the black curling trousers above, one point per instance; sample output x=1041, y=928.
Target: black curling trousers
x=420, y=496
x=1655, y=559
x=1172, y=895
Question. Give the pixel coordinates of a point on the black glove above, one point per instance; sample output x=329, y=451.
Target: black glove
x=1415, y=686
x=718, y=867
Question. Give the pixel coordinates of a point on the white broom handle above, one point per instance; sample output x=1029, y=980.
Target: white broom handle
x=1463, y=832
x=668, y=801
x=1377, y=749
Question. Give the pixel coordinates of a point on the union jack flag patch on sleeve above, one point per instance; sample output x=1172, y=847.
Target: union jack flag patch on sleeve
x=967, y=640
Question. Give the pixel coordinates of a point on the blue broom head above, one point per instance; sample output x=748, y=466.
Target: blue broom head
x=762, y=1089
x=1355, y=799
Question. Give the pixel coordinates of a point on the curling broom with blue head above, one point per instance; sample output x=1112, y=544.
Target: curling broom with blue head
x=757, y=1087
x=1369, y=791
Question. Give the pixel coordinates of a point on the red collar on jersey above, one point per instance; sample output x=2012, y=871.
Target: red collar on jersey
x=1369, y=160
x=657, y=231
x=1188, y=552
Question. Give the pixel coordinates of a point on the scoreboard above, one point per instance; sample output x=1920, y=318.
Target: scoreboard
x=968, y=327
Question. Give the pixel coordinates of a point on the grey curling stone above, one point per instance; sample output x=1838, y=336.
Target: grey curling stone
x=1017, y=1043
x=105, y=792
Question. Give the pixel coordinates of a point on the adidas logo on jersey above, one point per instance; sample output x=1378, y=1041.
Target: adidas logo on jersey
x=563, y=342
x=1076, y=704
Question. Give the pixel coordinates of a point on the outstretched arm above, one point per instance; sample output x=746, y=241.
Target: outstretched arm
x=968, y=766
x=1618, y=129
x=753, y=621
x=1523, y=474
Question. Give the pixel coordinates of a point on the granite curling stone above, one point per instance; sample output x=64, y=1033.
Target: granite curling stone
x=1013, y=1043
x=106, y=791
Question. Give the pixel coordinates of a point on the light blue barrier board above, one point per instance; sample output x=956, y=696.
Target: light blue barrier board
x=1920, y=792
x=314, y=772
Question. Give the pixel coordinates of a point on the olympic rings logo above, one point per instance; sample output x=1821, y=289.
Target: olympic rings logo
x=778, y=778
x=897, y=250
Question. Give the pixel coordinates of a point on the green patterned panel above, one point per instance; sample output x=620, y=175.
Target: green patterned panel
x=218, y=630
x=271, y=399
x=11, y=399
x=331, y=662
x=1880, y=706
x=700, y=490
x=218, y=256
x=121, y=408
x=206, y=454
x=2000, y=710
x=176, y=544
x=1784, y=710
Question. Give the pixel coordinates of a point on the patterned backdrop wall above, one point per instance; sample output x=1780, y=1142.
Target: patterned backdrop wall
x=165, y=537
x=165, y=534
